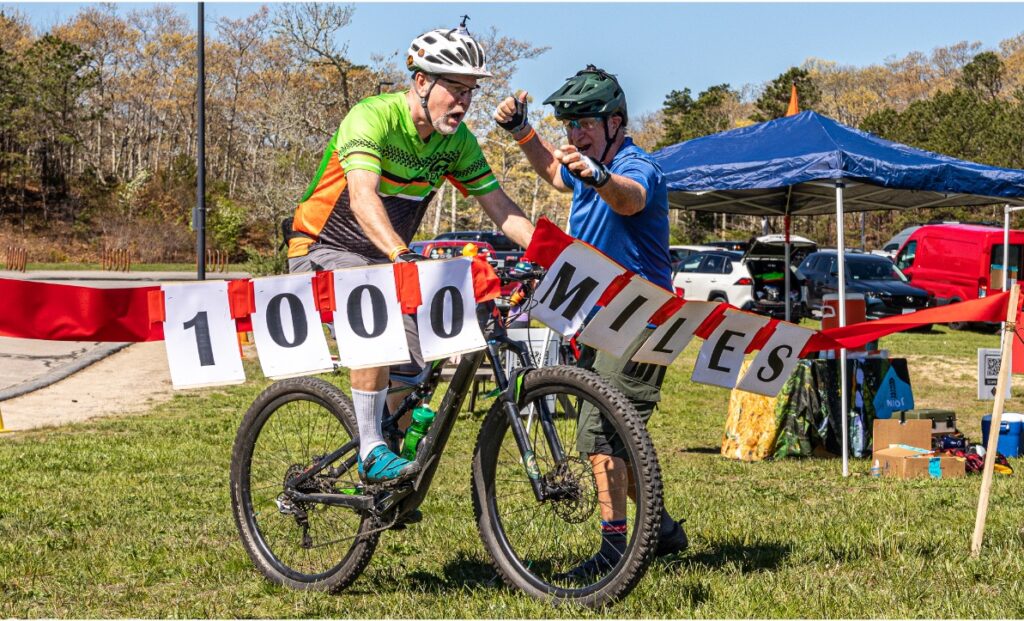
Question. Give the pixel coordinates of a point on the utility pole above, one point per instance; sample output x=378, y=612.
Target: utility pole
x=199, y=214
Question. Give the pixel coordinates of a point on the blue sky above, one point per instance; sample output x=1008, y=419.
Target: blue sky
x=657, y=47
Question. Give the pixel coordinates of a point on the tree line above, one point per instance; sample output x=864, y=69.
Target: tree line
x=98, y=134
x=958, y=100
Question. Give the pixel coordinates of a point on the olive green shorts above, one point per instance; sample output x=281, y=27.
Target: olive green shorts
x=640, y=383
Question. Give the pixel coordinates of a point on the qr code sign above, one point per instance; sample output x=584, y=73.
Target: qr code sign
x=992, y=366
x=988, y=373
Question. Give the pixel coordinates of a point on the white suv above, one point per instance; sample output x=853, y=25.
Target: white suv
x=751, y=281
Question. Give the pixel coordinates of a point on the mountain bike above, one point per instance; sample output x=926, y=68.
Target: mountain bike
x=307, y=521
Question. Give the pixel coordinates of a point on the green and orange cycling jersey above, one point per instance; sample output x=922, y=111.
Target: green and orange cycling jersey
x=378, y=135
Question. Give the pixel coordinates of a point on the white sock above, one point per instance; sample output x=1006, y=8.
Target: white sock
x=369, y=414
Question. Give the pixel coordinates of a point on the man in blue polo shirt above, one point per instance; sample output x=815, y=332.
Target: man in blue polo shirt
x=619, y=206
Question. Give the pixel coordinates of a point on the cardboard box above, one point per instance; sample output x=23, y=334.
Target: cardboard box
x=915, y=433
x=901, y=462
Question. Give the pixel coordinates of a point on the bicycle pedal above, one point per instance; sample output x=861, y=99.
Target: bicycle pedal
x=387, y=487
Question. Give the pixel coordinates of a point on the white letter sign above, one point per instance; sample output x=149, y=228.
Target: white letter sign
x=672, y=337
x=618, y=324
x=447, y=318
x=287, y=328
x=200, y=335
x=572, y=287
x=776, y=360
x=368, y=319
x=719, y=360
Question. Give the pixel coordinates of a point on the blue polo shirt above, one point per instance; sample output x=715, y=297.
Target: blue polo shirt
x=638, y=242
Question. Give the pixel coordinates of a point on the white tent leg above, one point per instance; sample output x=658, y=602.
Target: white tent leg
x=786, y=271
x=844, y=398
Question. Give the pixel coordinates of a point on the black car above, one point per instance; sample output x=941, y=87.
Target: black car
x=886, y=290
x=506, y=251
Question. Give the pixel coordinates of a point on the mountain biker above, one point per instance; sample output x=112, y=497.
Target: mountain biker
x=620, y=206
x=380, y=169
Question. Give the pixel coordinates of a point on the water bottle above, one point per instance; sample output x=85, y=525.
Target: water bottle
x=876, y=469
x=422, y=417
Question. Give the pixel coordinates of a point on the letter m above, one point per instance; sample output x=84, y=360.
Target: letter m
x=559, y=291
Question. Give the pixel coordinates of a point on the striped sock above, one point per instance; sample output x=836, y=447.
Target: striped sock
x=613, y=539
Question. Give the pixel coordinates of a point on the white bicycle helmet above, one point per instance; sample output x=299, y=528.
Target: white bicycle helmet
x=451, y=51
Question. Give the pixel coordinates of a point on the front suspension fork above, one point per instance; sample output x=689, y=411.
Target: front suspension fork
x=509, y=398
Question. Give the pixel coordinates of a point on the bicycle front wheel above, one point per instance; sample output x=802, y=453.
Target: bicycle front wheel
x=290, y=427
x=544, y=547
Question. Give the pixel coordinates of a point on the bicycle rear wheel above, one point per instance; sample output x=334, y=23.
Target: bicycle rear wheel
x=309, y=546
x=535, y=545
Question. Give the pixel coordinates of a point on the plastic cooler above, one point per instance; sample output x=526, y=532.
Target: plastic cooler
x=1010, y=431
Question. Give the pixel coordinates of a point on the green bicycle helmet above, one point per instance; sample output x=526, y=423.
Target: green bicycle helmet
x=592, y=92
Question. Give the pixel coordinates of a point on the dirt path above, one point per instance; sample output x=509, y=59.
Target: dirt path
x=127, y=382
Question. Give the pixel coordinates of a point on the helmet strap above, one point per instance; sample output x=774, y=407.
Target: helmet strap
x=423, y=100
x=608, y=138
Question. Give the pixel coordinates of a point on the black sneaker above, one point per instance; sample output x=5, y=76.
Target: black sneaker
x=590, y=570
x=672, y=542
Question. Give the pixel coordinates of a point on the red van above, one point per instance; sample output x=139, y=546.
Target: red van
x=958, y=262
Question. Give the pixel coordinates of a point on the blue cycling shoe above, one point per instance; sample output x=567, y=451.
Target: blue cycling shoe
x=383, y=466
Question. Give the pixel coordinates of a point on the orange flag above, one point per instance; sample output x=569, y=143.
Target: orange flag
x=794, y=104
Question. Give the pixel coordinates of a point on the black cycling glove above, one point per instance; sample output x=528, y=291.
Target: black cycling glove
x=600, y=172
x=518, y=120
x=410, y=257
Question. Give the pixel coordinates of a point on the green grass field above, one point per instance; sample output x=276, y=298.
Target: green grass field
x=130, y=517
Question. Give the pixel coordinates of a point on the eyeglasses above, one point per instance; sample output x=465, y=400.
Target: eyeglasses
x=458, y=90
x=584, y=124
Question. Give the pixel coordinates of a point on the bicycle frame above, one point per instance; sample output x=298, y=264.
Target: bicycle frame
x=393, y=504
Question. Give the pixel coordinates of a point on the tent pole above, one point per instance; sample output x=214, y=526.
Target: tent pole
x=1006, y=248
x=843, y=396
x=786, y=271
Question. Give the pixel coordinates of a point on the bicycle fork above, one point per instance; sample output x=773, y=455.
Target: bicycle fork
x=508, y=396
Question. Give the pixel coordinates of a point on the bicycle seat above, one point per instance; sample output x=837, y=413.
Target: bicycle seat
x=409, y=374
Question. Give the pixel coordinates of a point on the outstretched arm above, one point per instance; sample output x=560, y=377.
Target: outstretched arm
x=624, y=195
x=511, y=115
x=508, y=216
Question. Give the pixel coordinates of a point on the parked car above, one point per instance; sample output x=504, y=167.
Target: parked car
x=676, y=254
x=738, y=246
x=958, y=262
x=448, y=248
x=885, y=288
x=506, y=251
x=750, y=281
x=890, y=247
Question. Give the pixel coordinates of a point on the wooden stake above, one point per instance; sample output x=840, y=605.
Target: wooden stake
x=1009, y=333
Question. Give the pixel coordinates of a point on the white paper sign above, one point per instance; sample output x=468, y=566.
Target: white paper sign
x=988, y=374
x=775, y=362
x=368, y=318
x=287, y=329
x=719, y=360
x=572, y=287
x=671, y=338
x=541, y=343
x=447, y=318
x=618, y=324
x=200, y=335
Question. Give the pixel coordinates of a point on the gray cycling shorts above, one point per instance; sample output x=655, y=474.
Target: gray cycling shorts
x=323, y=258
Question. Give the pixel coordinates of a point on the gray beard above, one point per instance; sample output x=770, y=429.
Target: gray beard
x=442, y=128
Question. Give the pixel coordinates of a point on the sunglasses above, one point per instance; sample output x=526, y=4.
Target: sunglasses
x=457, y=90
x=584, y=124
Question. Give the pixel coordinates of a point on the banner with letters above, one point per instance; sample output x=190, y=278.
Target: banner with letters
x=584, y=292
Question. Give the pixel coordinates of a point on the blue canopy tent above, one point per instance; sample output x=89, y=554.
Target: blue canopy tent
x=808, y=164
